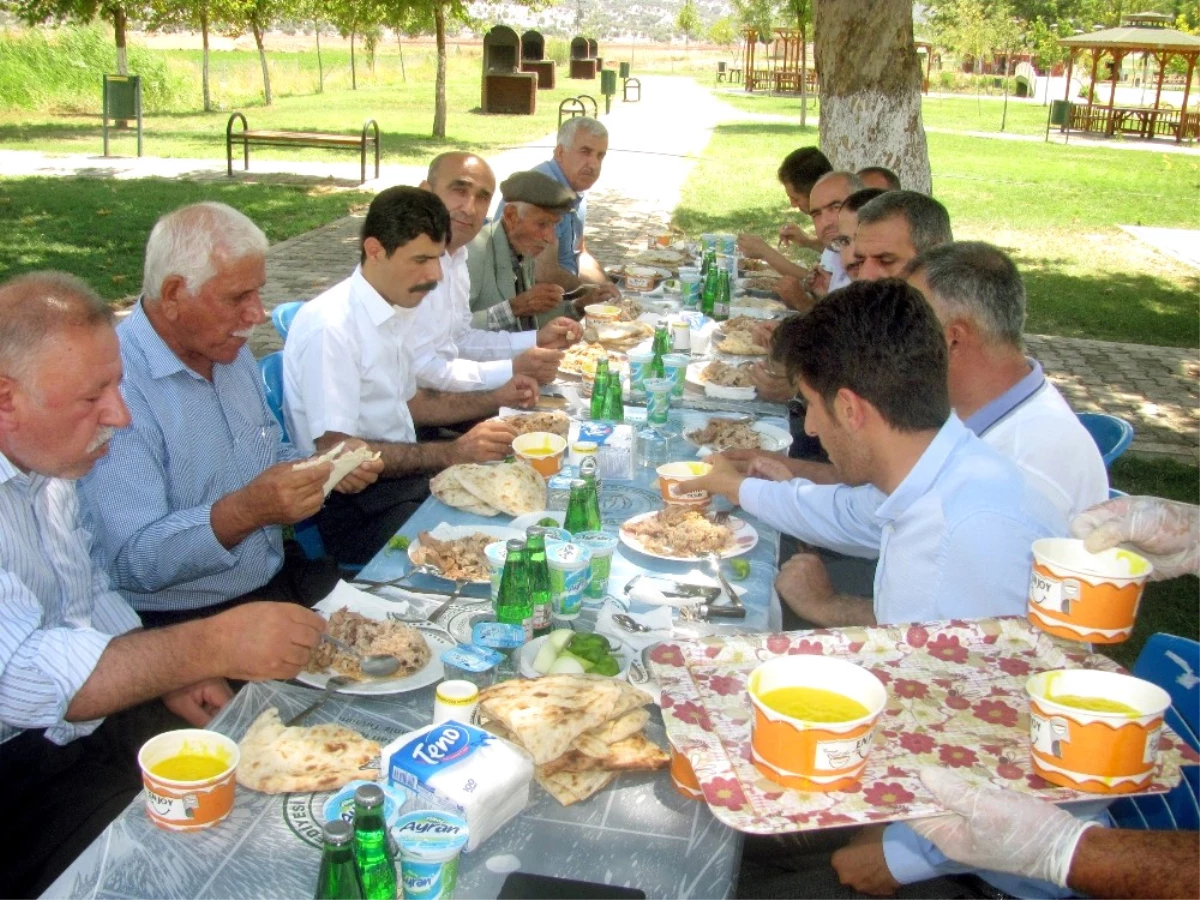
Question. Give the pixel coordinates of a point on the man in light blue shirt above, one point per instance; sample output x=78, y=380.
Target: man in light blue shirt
x=187, y=507
x=951, y=520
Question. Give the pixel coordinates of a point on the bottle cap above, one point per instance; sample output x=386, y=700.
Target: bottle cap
x=369, y=795
x=338, y=833
x=515, y=544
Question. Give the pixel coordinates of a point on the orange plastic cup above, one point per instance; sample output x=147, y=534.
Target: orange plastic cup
x=188, y=805
x=673, y=481
x=813, y=756
x=1084, y=596
x=542, y=450
x=1098, y=752
x=683, y=776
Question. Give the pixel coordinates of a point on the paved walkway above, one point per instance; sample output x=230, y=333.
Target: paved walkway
x=1154, y=388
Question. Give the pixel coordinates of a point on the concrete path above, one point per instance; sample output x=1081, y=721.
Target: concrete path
x=654, y=145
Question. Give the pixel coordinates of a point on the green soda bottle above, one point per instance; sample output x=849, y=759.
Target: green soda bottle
x=708, y=294
x=577, y=507
x=614, y=406
x=337, y=878
x=373, y=854
x=539, y=579
x=660, y=346
x=588, y=473
x=514, y=606
x=599, y=389
x=720, y=311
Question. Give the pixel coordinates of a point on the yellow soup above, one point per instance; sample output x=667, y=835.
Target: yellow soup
x=1094, y=704
x=538, y=451
x=191, y=767
x=813, y=704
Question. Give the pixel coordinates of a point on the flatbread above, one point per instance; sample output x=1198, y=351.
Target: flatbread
x=553, y=421
x=569, y=788
x=546, y=714
x=344, y=462
x=280, y=760
x=446, y=487
x=596, y=741
x=513, y=488
x=634, y=753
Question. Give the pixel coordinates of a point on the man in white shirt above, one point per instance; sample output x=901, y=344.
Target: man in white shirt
x=348, y=373
x=896, y=227
x=1000, y=393
x=82, y=684
x=448, y=353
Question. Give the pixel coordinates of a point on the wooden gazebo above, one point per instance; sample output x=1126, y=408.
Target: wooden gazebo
x=789, y=59
x=1149, y=34
x=753, y=74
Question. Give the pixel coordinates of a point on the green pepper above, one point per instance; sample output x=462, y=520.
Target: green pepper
x=397, y=544
x=585, y=641
x=606, y=665
x=741, y=569
x=548, y=522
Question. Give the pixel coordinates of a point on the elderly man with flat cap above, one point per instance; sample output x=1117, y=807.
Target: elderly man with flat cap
x=500, y=260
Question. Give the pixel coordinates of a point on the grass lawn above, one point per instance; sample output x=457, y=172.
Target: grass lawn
x=97, y=229
x=404, y=113
x=1052, y=207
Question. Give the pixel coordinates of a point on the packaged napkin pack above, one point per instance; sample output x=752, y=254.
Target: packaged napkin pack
x=614, y=447
x=462, y=769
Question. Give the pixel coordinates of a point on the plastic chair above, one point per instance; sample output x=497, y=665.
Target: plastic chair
x=271, y=369
x=1173, y=663
x=1111, y=434
x=282, y=315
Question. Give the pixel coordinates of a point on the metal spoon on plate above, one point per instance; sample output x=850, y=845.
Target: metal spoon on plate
x=377, y=665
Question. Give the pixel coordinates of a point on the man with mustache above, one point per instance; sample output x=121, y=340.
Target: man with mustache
x=348, y=374
x=448, y=353
x=188, y=507
x=82, y=684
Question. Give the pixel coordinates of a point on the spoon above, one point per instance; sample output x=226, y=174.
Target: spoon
x=378, y=665
x=630, y=624
x=331, y=685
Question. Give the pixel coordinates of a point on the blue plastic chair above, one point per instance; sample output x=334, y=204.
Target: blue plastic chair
x=271, y=369
x=1111, y=434
x=282, y=315
x=1173, y=663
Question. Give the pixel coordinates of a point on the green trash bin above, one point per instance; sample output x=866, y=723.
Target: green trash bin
x=122, y=100
x=624, y=70
x=608, y=82
x=1060, y=112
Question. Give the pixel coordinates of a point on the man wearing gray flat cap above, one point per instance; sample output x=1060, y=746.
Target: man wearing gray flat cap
x=500, y=260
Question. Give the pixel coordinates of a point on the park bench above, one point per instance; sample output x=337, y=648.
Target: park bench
x=314, y=139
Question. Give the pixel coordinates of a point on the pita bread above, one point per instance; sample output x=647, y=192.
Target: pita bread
x=569, y=788
x=280, y=760
x=513, y=488
x=634, y=753
x=596, y=741
x=446, y=487
x=546, y=714
x=553, y=421
x=344, y=462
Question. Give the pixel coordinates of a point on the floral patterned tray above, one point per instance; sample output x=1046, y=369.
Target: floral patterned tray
x=956, y=699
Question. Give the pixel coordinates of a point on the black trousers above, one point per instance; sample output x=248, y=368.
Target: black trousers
x=54, y=801
x=300, y=580
x=355, y=527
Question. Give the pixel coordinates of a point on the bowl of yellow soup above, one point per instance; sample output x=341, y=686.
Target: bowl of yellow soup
x=602, y=313
x=814, y=721
x=189, y=777
x=1084, y=596
x=683, y=776
x=673, y=481
x=542, y=450
x=1095, y=731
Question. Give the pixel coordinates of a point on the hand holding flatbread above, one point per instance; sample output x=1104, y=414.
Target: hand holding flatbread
x=344, y=462
x=276, y=759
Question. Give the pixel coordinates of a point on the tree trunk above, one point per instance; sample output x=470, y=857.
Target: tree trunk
x=320, y=65
x=262, y=58
x=439, y=91
x=119, y=32
x=353, y=70
x=400, y=47
x=204, y=65
x=871, y=88
x=803, y=75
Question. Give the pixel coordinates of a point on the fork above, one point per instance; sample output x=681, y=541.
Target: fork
x=715, y=560
x=331, y=686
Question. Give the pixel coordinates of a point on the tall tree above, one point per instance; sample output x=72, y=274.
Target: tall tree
x=723, y=32
x=688, y=22
x=799, y=14
x=257, y=17
x=118, y=12
x=871, y=87
x=194, y=15
x=353, y=18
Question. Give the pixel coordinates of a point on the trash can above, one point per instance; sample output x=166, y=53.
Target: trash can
x=608, y=82
x=624, y=67
x=122, y=100
x=1060, y=112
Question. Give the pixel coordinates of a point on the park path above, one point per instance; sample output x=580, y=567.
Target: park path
x=653, y=146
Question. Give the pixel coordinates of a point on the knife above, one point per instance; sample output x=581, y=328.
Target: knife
x=677, y=588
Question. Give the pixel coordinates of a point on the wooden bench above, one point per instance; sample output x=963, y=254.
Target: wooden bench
x=315, y=139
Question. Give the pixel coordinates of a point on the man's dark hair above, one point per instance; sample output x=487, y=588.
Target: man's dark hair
x=977, y=281
x=401, y=214
x=928, y=221
x=881, y=340
x=892, y=179
x=859, y=199
x=803, y=168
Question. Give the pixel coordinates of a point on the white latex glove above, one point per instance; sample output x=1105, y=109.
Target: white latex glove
x=1166, y=532
x=1004, y=831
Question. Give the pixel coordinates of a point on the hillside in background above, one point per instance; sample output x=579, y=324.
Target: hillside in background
x=645, y=19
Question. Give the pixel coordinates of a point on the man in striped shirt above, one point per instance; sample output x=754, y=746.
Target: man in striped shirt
x=82, y=685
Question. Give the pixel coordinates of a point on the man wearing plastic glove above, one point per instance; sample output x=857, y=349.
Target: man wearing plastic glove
x=1005, y=831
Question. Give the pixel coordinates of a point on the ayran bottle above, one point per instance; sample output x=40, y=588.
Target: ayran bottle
x=539, y=579
x=514, y=606
x=373, y=854
x=337, y=878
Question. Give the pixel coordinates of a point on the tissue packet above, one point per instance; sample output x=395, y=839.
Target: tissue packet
x=614, y=447
x=464, y=770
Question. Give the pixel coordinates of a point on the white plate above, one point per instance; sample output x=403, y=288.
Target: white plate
x=520, y=523
x=694, y=377
x=446, y=532
x=528, y=653
x=718, y=342
x=771, y=437
x=375, y=608
x=744, y=539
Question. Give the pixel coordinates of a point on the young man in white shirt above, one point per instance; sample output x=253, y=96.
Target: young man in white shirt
x=348, y=373
x=448, y=353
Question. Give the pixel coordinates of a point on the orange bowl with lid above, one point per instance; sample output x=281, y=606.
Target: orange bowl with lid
x=189, y=776
x=1084, y=596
